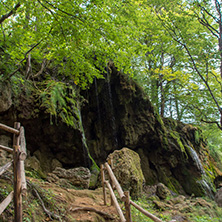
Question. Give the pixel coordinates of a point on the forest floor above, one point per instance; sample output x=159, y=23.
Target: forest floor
x=82, y=205
x=49, y=202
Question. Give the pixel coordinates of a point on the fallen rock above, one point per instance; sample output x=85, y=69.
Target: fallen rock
x=218, y=197
x=162, y=191
x=32, y=163
x=4, y=155
x=78, y=177
x=127, y=169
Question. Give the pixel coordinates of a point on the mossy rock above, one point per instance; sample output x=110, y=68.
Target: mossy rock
x=127, y=170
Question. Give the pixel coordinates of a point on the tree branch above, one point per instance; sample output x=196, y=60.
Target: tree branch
x=212, y=122
x=44, y=64
x=19, y=63
x=4, y=17
x=211, y=15
x=64, y=12
x=53, y=14
x=179, y=39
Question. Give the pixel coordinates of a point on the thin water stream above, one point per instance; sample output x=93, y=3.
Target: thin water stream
x=87, y=157
x=113, y=119
x=203, y=182
x=98, y=107
x=84, y=143
x=197, y=161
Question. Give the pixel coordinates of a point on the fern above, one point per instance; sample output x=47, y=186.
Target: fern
x=60, y=100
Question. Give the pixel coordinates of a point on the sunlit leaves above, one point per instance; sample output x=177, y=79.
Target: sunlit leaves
x=80, y=31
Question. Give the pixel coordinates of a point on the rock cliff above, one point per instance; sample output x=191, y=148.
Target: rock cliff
x=118, y=114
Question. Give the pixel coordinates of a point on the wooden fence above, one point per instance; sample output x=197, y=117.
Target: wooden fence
x=113, y=184
x=19, y=181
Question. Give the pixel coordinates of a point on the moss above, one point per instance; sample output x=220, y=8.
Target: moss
x=160, y=121
x=165, y=141
x=173, y=185
x=175, y=135
x=127, y=170
x=162, y=131
x=197, y=137
x=171, y=123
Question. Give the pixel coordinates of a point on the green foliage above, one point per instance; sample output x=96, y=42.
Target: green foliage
x=196, y=212
x=205, y=219
x=50, y=49
x=79, y=38
x=60, y=100
x=214, y=138
x=138, y=216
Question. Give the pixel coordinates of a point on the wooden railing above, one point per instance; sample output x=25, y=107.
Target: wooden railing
x=19, y=155
x=113, y=184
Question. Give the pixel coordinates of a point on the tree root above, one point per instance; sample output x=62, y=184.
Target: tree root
x=105, y=215
x=50, y=214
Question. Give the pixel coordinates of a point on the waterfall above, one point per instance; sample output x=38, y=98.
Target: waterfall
x=206, y=186
x=84, y=143
x=113, y=119
x=196, y=160
x=97, y=103
x=87, y=157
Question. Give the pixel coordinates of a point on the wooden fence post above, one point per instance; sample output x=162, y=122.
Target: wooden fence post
x=116, y=204
x=103, y=183
x=127, y=207
x=17, y=176
x=110, y=162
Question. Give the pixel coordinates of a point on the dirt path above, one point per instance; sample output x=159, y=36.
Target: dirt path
x=79, y=205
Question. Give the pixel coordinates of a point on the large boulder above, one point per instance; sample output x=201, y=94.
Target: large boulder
x=127, y=169
x=218, y=197
x=78, y=177
x=4, y=155
x=162, y=191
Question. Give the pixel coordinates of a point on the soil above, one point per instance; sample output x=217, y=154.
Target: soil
x=79, y=205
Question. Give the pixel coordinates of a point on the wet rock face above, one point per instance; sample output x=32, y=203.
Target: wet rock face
x=51, y=143
x=118, y=115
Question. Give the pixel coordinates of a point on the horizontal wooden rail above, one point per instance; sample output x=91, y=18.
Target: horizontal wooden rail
x=115, y=182
x=9, y=129
x=6, y=202
x=151, y=216
x=8, y=149
x=5, y=167
x=122, y=218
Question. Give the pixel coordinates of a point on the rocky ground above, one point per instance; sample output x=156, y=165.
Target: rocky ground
x=49, y=202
